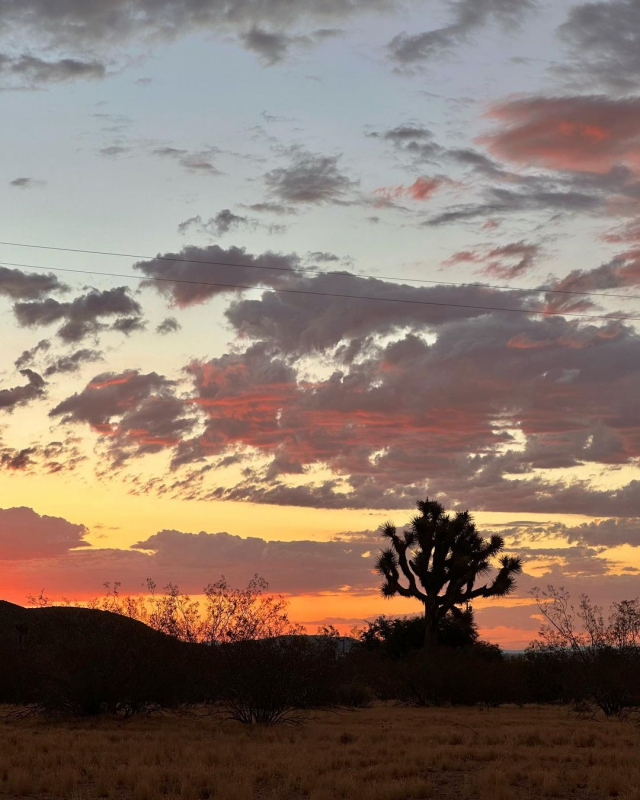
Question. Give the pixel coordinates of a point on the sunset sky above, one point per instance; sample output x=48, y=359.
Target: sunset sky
x=428, y=213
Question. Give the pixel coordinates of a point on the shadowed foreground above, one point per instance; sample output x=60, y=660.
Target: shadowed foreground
x=381, y=753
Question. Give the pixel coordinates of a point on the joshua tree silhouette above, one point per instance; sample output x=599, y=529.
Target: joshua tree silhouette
x=438, y=559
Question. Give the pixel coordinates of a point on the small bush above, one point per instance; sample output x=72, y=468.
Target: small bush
x=274, y=681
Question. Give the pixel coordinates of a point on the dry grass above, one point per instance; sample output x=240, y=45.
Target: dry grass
x=382, y=753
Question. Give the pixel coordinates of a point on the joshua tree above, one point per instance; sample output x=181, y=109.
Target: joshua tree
x=437, y=561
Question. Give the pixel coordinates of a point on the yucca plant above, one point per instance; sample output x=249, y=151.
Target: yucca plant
x=437, y=559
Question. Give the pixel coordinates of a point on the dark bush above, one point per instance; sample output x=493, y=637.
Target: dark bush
x=275, y=681
x=402, y=635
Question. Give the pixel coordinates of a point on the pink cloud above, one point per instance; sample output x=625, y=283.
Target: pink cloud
x=422, y=188
x=592, y=133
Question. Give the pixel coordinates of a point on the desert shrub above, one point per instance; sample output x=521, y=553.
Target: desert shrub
x=586, y=657
x=402, y=635
x=354, y=694
x=458, y=677
x=274, y=681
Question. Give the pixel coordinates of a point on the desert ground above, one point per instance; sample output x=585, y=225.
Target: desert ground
x=381, y=753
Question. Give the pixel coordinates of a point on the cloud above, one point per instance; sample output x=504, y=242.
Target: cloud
x=25, y=71
x=28, y=356
x=409, y=51
x=209, y=271
x=197, y=162
x=412, y=413
x=223, y=222
x=191, y=560
x=310, y=179
x=412, y=139
x=297, y=567
x=83, y=314
x=72, y=362
x=492, y=189
x=622, y=271
x=20, y=285
x=500, y=201
x=168, y=325
x=87, y=25
x=272, y=208
x=604, y=40
x=25, y=183
x=27, y=535
x=49, y=458
x=20, y=395
x=114, y=150
x=273, y=46
x=17, y=460
x=128, y=325
x=422, y=188
x=136, y=413
x=310, y=323
x=606, y=532
x=506, y=262
x=587, y=133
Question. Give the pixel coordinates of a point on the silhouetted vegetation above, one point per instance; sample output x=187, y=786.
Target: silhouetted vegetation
x=236, y=655
x=275, y=681
x=401, y=635
x=586, y=657
x=439, y=558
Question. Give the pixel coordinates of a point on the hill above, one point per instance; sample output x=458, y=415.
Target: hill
x=88, y=661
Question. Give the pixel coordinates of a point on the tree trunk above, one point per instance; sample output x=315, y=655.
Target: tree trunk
x=430, y=628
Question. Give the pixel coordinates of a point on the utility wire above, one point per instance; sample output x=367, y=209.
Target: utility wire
x=317, y=271
x=319, y=294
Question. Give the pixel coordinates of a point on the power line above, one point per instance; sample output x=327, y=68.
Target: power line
x=320, y=294
x=316, y=271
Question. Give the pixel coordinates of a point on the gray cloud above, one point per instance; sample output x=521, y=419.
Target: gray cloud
x=305, y=324
x=219, y=268
x=90, y=21
x=272, y=208
x=310, y=179
x=412, y=139
x=25, y=183
x=28, y=356
x=20, y=395
x=82, y=315
x=606, y=532
x=168, y=325
x=499, y=201
x=273, y=46
x=24, y=71
x=411, y=50
x=27, y=535
x=72, y=362
x=198, y=162
x=20, y=285
x=604, y=41
x=224, y=222
x=300, y=566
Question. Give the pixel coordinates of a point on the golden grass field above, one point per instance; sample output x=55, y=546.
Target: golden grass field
x=381, y=753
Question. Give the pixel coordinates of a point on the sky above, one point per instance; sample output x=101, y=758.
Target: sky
x=271, y=271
